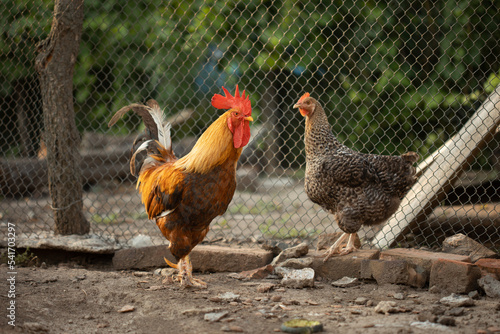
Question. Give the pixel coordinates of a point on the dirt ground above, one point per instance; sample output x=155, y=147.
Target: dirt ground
x=69, y=298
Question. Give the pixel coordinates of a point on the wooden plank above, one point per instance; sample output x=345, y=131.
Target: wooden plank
x=439, y=172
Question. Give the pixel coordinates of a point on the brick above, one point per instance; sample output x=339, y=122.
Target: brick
x=203, y=258
x=454, y=276
x=420, y=258
x=489, y=266
x=385, y=272
x=337, y=267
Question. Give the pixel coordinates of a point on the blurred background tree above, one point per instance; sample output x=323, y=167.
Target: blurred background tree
x=395, y=75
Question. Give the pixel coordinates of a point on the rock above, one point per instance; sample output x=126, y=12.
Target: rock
x=265, y=287
x=89, y=243
x=346, y=282
x=197, y=311
x=298, y=278
x=455, y=312
x=292, y=252
x=361, y=301
x=126, y=308
x=489, y=266
x=229, y=297
x=387, y=307
x=232, y=328
x=258, y=273
x=213, y=317
x=455, y=300
x=276, y=298
x=463, y=245
x=398, y=296
x=430, y=326
x=474, y=294
x=490, y=285
x=297, y=263
x=141, y=240
x=276, y=247
x=426, y=316
x=447, y=321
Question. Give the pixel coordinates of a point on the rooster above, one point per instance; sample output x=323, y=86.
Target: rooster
x=184, y=195
x=358, y=189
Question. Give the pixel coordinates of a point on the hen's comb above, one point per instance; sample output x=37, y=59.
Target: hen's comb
x=228, y=102
x=303, y=97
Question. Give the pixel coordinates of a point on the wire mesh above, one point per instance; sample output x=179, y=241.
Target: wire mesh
x=393, y=76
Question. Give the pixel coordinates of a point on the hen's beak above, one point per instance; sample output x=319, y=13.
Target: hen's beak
x=297, y=105
x=249, y=118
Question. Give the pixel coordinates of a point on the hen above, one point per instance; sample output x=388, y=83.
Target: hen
x=184, y=195
x=358, y=189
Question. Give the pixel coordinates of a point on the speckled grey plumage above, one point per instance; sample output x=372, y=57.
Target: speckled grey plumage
x=359, y=189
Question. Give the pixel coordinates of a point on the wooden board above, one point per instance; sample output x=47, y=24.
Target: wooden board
x=440, y=170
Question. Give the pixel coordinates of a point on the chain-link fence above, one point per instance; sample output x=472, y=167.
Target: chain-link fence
x=393, y=76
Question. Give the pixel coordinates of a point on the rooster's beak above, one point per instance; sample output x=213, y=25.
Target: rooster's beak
x=249, y=118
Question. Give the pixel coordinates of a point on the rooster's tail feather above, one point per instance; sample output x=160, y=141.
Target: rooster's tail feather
x=154, y=146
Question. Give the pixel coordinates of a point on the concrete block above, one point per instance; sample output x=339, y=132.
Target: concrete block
x=203, y=258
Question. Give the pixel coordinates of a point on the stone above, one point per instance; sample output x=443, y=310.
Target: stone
x=88, y=243
x=489, y=266
x=298, y=278
x=417, y=257
x=446, y=321
x=292, y=252
x=463, y=245
x=265, y=287
x=490, y=285
x=361, y=301
x=232, y=328
x=229, y=297
x=126, y=308
x=455, y=300
x=337, y=267
x=300, y=263
x=387, y=307
x=346, y=282
x=455, y=312
x=454, y=276
x=430, y=326
x=258, y=273
x=213, y=317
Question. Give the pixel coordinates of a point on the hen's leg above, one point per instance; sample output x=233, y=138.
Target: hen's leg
x=335, y=248
x=350, y=244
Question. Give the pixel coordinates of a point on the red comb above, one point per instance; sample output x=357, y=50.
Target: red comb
x=228, y=102
x=303, y=97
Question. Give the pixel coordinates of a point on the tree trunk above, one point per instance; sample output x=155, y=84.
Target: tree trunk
x=55, y=63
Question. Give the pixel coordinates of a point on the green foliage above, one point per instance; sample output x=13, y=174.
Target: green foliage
x=396, y=76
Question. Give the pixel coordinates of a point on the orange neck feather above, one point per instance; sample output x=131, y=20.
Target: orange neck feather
x=214, y=147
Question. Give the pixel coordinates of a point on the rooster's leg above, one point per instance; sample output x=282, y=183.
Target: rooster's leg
x=185, y=275
x=188, y=279
x=335, y=248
